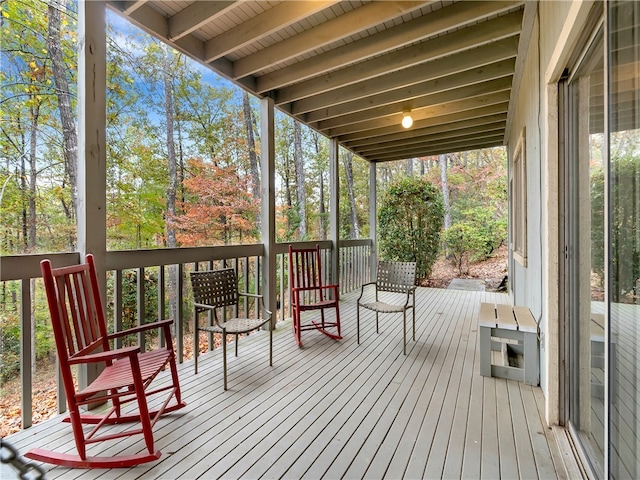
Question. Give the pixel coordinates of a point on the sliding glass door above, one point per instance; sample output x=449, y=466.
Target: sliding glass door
x=601, y=192
x=584, y=187
x=624, y=238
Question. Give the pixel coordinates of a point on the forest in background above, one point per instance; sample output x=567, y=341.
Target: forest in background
x=183, y=149
x=182, y=160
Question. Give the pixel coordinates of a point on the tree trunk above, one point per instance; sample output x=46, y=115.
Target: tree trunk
x=347, y=159
x=442, y=159
x=300, y=190
x=33, y=174
x=63, y=96
x=251, y=145
x=409, y=167
x=173, y=174
x=171, y=148
x=322, y=224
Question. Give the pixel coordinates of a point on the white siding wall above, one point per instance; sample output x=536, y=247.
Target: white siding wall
x=556, y=27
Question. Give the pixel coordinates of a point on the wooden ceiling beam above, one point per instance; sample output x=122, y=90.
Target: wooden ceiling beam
x=145, y=17
x=429, y=150
x=440, y=47
x=195, y=16
x=423, y=113
x=443, y=20
x=132, y=6
x=480, y=131
x=432, y=121
x=483, y=75
x=442, y=67
x=259, y=26
x=416, y=131
x=417, y=104
x=419, y=143
x=354, y=21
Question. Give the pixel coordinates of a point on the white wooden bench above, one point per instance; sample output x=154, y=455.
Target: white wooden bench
x=514, y=332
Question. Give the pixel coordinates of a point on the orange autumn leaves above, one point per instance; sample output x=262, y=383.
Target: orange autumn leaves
x=218, y=207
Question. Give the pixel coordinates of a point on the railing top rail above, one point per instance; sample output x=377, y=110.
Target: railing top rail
x=120, y=260
x=20, y=267
x=360, y=242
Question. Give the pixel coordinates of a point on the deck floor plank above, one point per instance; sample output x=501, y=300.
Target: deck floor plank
x=490, y=462
x=434, y=395
x=336, y=409
x=506, y=431
x=453, y=461
x=344, y=424
x=442, y=438
x=396, y=450
x=539, y=443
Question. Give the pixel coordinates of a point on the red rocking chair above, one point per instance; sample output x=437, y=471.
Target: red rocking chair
x=309, y=293
x=81, y=337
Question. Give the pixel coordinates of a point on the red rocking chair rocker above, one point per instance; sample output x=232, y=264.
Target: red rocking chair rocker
x=309, y=293
x=81, y=337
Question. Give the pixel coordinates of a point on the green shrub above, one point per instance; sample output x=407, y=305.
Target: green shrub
x=9, y=346
x=410, y=220
x=464, y=243
x=624, y=237
x=474, y=235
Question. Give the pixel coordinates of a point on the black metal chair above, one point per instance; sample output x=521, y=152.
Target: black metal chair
x=393, y=278
x=214, y=290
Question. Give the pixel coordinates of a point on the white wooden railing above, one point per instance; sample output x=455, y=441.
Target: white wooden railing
x=171, y=267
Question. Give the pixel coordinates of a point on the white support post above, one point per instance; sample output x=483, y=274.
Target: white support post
x=373, y=217
x=92, y=115
x=268, y=207
x=334, y=208
x=92, y=111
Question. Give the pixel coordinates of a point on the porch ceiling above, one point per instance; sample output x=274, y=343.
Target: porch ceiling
x=348, y=69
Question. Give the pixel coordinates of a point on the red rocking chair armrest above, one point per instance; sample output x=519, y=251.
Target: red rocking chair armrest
x=323, y=287
x=104, y=356
x=140, y=328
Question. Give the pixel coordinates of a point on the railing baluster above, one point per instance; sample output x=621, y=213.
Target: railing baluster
x=140, y=304
x=179, y=315
x=354, y=257
x=117, y=305
x=26, y=335
x=161, y=304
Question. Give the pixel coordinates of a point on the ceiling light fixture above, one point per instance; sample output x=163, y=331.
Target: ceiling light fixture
x=407, y=121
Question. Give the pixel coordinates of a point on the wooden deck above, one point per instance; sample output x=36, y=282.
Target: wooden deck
x=335, y=409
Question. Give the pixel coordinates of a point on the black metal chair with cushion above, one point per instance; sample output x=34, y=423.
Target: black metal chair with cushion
x=214, y=290
x=393, y=280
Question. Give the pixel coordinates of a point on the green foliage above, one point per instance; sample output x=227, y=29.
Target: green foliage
x=462, y=242
x=410, y=219
x=475, y=235
x=624, y=237
x=474, y=238
x=130, y=280
x=597, y=222
x=10, y=329
x=9, y=346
